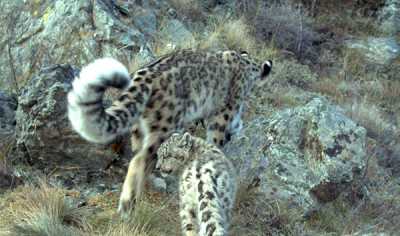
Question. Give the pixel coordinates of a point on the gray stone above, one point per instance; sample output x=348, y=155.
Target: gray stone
x=390, y=17
x=381, y=51
x=158, y=184
x=8, y=105
x=45, y=138
x=176, y=33
x=307, y=155
x=74, y=32
x=145, y=20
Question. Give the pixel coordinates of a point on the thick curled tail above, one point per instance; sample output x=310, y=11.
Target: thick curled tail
x=85, y=101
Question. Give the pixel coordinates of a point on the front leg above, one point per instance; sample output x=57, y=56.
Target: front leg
x=224, y=124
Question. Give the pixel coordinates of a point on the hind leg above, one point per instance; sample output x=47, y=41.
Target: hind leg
x=136, y=139
x=142, y=163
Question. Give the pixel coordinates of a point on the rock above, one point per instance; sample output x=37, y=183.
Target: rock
x=8, y=105
x=306, y=156
x=176, y=33
x=45, y=138
x=8, y=179
x=381, y=51
x=390, y=17
x=145, y=20
x=158, y=184
x=74, y=32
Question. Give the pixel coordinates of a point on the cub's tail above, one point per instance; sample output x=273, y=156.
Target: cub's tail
x=86, y=112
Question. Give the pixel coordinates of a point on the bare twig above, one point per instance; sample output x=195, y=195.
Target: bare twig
x=12, y=67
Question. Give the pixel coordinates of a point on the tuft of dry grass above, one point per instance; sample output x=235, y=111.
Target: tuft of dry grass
x=43, y=211
x=188, y=10
x=255, y=215
x=230, y=34
x=235, y=34
x=152, y=216
x=369, y=116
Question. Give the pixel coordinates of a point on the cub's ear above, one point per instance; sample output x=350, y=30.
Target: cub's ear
x=187, y=139
x=266, y=69
x=244, y=53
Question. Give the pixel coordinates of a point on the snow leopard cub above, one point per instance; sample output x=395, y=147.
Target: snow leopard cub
x=207, y=184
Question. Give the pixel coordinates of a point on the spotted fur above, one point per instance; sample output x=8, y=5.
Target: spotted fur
x=207, y=184
x=162, y=97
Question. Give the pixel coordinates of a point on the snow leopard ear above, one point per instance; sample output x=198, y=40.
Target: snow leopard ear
x=187, y=139
x=244, y=53
x=266, y=69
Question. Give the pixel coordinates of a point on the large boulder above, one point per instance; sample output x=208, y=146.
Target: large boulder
x=8, y=105
x=390, y=17
x=42, y=33
x=381, y=51
x=45, y=138
x=306, y=155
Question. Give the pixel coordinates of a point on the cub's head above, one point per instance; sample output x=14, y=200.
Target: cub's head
x=174, y=153
x=257, y=70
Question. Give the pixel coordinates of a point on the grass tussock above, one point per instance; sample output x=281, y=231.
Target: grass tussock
x=233, y=34
x=148, y=219
x=49, y=211
x=42, y=211
x=255, y=215
x=369, y=116
x=291, y=73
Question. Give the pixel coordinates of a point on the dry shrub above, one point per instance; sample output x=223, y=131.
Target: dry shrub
x=290, y=72
x=188, y=9
x=289, y=27
x=43, y=210
x=361, y=7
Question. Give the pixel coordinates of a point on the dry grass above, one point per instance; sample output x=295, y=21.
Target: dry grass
x=150, y=218
x=233, y=34
x=42, y=211
x=255, y=215
x=188, y=10
x=369, y=116
x=345, y=17
x=49, y=211
x=288, y=27
x=377, y=211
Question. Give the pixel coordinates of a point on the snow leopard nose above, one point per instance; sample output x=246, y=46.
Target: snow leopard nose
x=167, y=171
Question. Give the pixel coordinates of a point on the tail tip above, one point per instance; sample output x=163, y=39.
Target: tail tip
x=107, y=70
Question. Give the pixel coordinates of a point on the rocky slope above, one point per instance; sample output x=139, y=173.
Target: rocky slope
x=304, y=144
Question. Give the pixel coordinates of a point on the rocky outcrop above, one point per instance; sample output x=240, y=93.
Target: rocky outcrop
x=390, y=17
x=45, y=138
x=306, y=155
x=381, y=51
x=8, y=105
x=313, y=152
x=41, y=33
